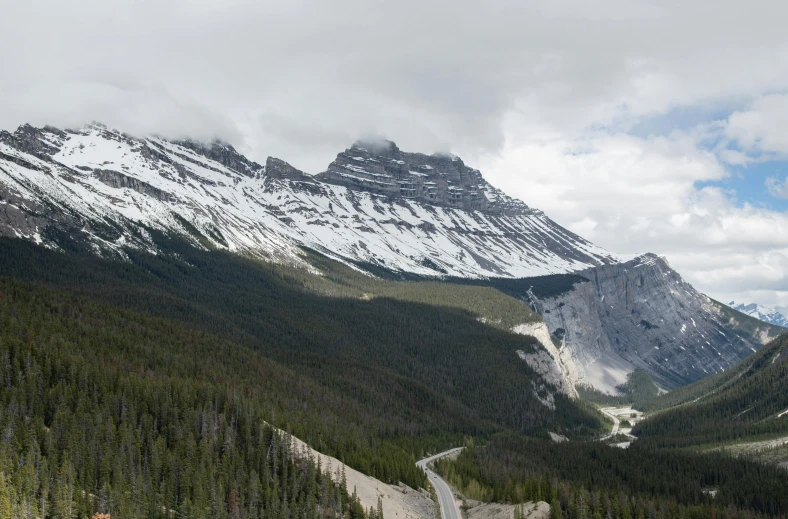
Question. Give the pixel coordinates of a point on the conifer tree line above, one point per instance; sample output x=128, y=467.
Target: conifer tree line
x=141, y=403
x=584, y=480
x=331, y=364
x=80, y=438
x=145, y=388
x=745, y=405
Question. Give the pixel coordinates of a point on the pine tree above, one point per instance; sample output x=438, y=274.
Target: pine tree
x=555, y=509
x=5, y=498
x=64, y=490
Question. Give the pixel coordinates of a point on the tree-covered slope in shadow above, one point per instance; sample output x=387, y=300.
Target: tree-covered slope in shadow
x=749, y=401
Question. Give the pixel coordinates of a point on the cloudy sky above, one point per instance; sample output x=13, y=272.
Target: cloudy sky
x=643, y=125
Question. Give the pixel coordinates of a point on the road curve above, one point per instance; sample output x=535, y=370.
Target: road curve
x=616, y=422
x=608, y=411
x=448, y=506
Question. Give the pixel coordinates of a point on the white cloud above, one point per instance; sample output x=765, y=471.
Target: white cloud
x=777, y=188
x=541, y=94
x=761, y=128
x=426, y=74
x=633, y=195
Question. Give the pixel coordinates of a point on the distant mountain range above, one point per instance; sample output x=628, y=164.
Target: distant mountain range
x=379, y=209
x=763, y=313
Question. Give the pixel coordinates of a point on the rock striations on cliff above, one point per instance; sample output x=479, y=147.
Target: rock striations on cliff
x=642, y=314
x=438, y=180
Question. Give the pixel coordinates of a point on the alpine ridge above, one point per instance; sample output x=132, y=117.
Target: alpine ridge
x=643, y=314
x=426, y=215
x=762, y=313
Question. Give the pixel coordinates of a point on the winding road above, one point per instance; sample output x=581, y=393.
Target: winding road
x=448, y=506
x=616, y=422
x=609, y=411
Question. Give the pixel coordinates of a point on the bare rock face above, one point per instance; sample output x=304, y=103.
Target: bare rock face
x=224, y=154
x=643, y=314
x=279, y=169
x=441, y=180
x=119, y=180
x=547, y=361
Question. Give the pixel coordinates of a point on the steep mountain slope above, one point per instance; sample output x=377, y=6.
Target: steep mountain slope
x=611, y=320
x=448, y=369
x=119, y=413
x=642, y=314
x=153, y=380
x=104, y=187
x=762, y=313
x=751, y=400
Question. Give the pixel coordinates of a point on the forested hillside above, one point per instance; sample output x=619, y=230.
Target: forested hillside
x=198, y=343
x=266, y=308
x=748, y=402
x=660, y=474
x=591, y=480
x=104, y=411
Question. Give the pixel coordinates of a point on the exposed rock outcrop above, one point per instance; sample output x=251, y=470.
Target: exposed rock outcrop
x=441, y=180
x=548, y=362
x=643, y=314
x=118, y=180
x=224, y=154
x=279, y=169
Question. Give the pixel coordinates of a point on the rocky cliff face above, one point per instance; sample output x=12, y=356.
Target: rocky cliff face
x=438, y=180
x=643, y=314
x=547, y=361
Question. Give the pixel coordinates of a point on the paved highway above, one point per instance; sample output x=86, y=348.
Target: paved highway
x=449, y=509
x=616, y=422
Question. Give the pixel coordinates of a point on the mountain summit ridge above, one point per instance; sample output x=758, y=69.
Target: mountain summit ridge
x=437, y=179
x=110, y=189
x=762, y=313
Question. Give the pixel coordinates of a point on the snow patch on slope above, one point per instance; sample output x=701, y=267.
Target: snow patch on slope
x=100, y=175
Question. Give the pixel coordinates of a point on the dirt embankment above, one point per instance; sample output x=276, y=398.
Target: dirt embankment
x=399, y=501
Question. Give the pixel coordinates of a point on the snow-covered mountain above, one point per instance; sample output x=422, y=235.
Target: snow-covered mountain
x=408, y=212
x=763, y=313
x=105, y=191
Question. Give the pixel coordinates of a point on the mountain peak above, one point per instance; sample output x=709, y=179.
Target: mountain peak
x=376, y=145
x=380, y=167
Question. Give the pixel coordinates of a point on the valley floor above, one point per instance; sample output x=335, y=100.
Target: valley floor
x=628, y=416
